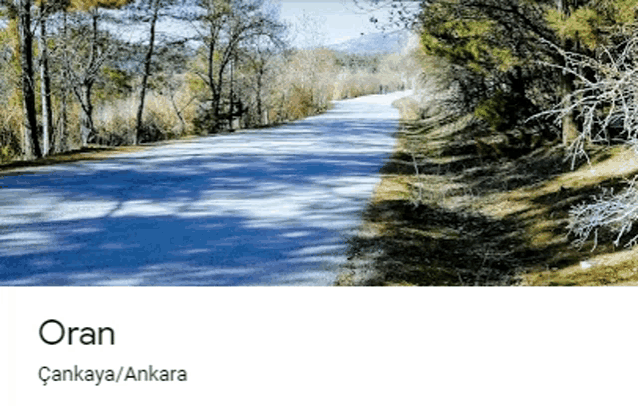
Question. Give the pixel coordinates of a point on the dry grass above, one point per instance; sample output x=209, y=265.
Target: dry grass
x=116, y=119
x=90, y=153
x=472, y=219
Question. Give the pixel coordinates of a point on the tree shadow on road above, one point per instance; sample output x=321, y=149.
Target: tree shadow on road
x=261, y=207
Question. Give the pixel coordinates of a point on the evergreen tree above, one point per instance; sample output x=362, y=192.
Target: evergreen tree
x=494, y=47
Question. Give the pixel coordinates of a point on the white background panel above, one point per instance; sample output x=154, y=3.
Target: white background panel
x=318, y=346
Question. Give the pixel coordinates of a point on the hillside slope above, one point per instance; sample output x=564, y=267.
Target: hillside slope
x=374, y=43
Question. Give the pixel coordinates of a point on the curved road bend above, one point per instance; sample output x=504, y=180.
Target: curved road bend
x=258, y=207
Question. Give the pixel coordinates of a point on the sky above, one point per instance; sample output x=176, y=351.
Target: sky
x=337, y=20
x=326, y=22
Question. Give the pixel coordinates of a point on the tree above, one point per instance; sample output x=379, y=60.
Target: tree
x=582, y=26
x=21, y=12
x=46, y=9
x=85, y=68
x=169, y=78
x=493, y=48
x=607, y=99
x=568, y=125
x=309, y=31
x=260, y=60
x=12, y=141
x=260, y=54
x=224, y=26
x=155, y=6
x=28, y=80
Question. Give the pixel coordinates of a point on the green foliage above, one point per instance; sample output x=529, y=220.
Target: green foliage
x=115, y=84
x=53, y=6
x=582, y=25
x=471, y=41
x=490, y=51
x=10, y=49
x=198, y=71
x=593, y=23
x=6, y=153
x=87, y=5
x=196, y=85
x=493, y=110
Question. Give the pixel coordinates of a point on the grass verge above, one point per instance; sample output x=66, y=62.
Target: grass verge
x=451, y=209
x=92, y=152
x=89, y=153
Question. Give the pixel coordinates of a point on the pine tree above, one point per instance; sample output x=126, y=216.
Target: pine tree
x=500, y=42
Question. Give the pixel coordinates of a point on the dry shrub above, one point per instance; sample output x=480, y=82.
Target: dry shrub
x=116, y=120
x=173, y=113
x=300, y=103
x=409, y=108
x=10, y=132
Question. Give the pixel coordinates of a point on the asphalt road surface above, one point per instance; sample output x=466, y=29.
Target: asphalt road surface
x=257, y=207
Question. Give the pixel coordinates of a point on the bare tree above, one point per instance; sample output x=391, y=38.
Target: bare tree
x=259, y=63
x=260, y=55
x=46, y=9
x=84, y=71
x=155, y=6
x=606, y=101
x=617, y=212
x=224, y=26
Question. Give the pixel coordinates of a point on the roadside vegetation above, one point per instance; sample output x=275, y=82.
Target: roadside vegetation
x=516, y=162
x=73, y=80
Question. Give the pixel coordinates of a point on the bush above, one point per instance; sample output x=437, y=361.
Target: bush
x=301, y=102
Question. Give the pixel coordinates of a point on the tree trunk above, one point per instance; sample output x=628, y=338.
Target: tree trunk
x=569, y=127
x=87, y=128
x=260, y=114
x=231, y=115
x=178, y=113
x=215, y=91
x=219, y=86
x=28, y=89
x=61, y=139
x=45, y=90
x=263, y=118
x=86, y=118
x=147, y=73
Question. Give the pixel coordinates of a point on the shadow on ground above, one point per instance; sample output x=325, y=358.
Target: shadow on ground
x=468, y=218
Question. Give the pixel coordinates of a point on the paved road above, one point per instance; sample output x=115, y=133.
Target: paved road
x=258, y=207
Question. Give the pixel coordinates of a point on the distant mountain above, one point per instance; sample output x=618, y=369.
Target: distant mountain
x=375, y=43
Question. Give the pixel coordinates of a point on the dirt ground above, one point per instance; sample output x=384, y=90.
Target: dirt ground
x=456, y=208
